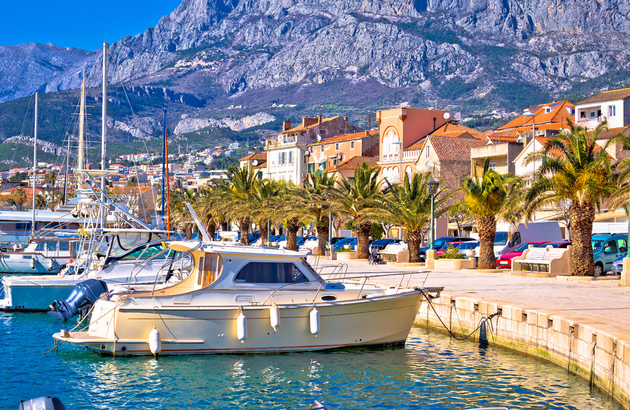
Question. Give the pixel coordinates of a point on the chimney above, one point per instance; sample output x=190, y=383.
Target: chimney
x=378, y=117
x=345, y=118
x=319, y=119
x=286, y=125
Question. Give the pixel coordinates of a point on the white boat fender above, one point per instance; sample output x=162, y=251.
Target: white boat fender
x=155, y=341
x=32, y=262
x=241, y=327
x=314, y=316
x=274, y=316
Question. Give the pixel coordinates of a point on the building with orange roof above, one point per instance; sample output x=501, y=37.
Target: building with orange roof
x=347, y=167
x=327, y=154
x=612, y=106
x=546, y=119
x=287, y=151
x=256, y=161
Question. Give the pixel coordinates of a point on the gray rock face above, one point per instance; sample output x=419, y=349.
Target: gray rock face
x=210, y=47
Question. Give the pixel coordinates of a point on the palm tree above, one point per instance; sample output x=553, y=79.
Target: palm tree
x=486, y=197
x=264, y=198
x=318, y=189
x=580, y=172
x=360, y=199
x=409, y=206
x=239, y=198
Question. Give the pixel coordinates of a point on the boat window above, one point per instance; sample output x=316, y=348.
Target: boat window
x=270, y=272
x=146, y=253
x=209, y=268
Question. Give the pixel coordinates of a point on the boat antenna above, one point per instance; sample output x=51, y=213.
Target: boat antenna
x=202, y=229
x=34, y=166
x=164, y=168
x=168, y=183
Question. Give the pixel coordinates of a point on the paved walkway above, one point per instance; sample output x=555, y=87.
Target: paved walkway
x=603, y=304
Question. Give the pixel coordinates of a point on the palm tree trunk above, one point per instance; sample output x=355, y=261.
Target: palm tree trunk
x=264, y=233
x=414, y=240
x=363, y=239
x=322, y=235
x=487, y=227
x=211, y=228
x=292, y=227
x=244, y=229
x=582, y=217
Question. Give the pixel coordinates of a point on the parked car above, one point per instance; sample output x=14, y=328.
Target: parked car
x=556, y=244
x=617, y=265
x=345, y=241
x=461, y=246
x=443, y=243
x=531, y=232
x=505, y=261
x=380, y=244
x=607, y=248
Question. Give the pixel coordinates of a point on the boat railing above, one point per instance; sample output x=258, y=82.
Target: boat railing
x=338, y=270
x=363, y=279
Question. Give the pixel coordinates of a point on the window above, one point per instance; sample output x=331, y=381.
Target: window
x=428, y=151
x=336, y=146
x=351, y=144
x=322, y=132
x=321, y=148
x=283, y=158
x=592, y=114
x=305, y=159
x=582, y=114
x=290, y=157
x=623, y=245
x=270, y=272
x=493, y=165
x=611, y=247
x=612, y=110
x=209, y=267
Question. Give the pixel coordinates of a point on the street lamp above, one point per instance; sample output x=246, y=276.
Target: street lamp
x=432, y=186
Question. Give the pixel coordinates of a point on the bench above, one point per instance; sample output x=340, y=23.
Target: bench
x=548, y=259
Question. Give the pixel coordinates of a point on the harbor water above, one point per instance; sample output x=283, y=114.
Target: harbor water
x=432, y=371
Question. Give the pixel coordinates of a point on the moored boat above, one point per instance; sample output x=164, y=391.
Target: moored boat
x=241, y=299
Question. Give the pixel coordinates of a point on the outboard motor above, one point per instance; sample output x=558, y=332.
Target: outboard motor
x=80, y=300
x=42, y=403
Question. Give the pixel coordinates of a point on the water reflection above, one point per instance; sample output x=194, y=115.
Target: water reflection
x=432, y=372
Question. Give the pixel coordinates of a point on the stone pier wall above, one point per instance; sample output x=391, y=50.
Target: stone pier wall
x=595, y=355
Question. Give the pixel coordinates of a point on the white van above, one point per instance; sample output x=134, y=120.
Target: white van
x=534, y=231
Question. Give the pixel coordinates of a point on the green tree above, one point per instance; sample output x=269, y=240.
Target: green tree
x=360, y=199
x=575, y=169
x=486, y=197
x=409, y=205
x=318, y=191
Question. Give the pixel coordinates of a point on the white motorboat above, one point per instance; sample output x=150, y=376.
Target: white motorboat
x=41, y=256
x=126, y=257
x=241, y=299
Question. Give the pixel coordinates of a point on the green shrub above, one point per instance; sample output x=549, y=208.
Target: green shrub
x=452, y=252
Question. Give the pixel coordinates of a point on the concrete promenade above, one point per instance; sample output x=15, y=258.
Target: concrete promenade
x=580, y=325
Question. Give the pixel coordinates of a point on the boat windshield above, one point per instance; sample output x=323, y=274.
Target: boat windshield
x=500, y=238
x=123, y=242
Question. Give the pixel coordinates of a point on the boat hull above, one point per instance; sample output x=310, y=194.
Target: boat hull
x=34, y=294
x=125, y=329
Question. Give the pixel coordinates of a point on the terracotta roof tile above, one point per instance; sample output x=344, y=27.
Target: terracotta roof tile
x=610, y=95
x=558, y=114
x=260, y=156
x=348, y=137
x=352, y=163
x=453, y=149
x=301, y=127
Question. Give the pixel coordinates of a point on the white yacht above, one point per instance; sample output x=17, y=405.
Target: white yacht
x=123, y=257
x=241, y=299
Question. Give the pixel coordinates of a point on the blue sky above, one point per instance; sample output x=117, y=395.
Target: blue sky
x=81, y=24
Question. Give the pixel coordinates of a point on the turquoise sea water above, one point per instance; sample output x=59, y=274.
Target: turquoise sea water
x=431, y=372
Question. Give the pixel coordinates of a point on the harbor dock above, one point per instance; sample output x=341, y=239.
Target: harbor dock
x=582, y=324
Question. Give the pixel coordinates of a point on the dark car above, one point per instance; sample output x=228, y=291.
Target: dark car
x=442, y=243
x=345, y=241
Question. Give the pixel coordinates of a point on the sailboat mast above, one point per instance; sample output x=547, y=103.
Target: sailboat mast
x=104, y=121
x=34, y=165
x=80, y=165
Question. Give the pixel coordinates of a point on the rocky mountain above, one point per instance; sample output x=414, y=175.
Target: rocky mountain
x=346, y=56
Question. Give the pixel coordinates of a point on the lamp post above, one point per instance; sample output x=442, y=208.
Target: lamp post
x=432, y=186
